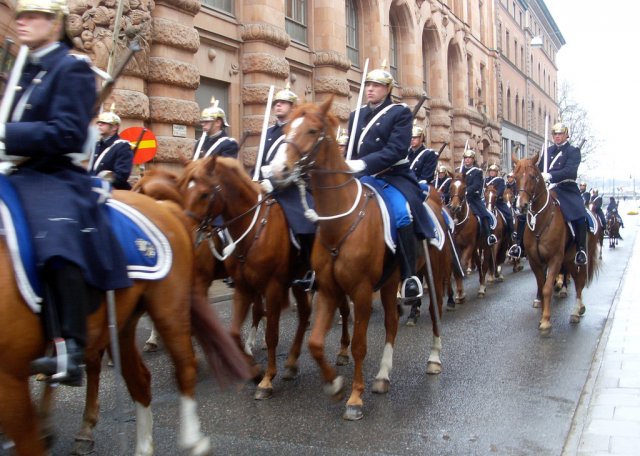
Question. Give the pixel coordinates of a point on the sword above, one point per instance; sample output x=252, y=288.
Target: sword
x=356, y=115
x=263, y=135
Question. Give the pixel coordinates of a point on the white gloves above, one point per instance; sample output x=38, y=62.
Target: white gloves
x=266, y=185
x=266, y=171
x=356, y=165
x=546, y=177
x=107, y=175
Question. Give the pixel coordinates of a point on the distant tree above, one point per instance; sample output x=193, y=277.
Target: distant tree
x=577, y=119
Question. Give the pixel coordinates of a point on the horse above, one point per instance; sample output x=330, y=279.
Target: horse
x=548, y=242
x=174, y=310
x=601, y=229
x=613, y=229
x=349, y=255
x=473, y=248
x=261, y=257
x=162, y=185
x=499, y=250
x=510, y=199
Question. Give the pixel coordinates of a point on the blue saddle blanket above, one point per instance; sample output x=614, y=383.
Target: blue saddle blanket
x=147, y=249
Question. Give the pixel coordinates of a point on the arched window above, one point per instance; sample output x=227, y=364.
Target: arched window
x=393, y=49
x=353, y=41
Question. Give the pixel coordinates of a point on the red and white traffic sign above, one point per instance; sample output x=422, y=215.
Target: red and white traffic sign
x=144, y=139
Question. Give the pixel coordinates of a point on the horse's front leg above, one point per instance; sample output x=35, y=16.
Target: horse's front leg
x=277, y=297
x=242, y=299
x=481, y=261
x=304, y=312
x=382, y=382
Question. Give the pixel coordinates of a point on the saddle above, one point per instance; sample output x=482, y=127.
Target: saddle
x=146, y=248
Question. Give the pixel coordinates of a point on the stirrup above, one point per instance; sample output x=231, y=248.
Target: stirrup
x=492, y=239
x=405, y=283
x=515, y=251
x=581, y=258
x=61, y=367
x=307, y=282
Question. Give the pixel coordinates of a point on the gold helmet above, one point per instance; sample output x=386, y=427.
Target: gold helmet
x=469, y=153
x=109, y=117
x=286, y=95
x=560, y=128
x=213, y=112
x=494, y=167
x=510, y=174
x=416, y=130
x=55, y=7
x=343, y=140
x=381, y=76
x=443, y=169
x=583, y=184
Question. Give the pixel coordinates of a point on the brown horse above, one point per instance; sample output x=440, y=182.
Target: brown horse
x=499, y=249
x=162, y=185
x=170, y=305
x=473, y=248
x=613, y=229
x=548, y=242
x=349, y=255
x=261, y=257
x=510, y=199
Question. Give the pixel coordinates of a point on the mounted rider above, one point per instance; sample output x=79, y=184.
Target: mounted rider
x=586, y=196
x=500, y=185
x=288, y=197
x=442, y=182
x=563, y=161
x=596, y=205
x=214, y=139
x=423, y=161
x=474, y=193
x=612, y=210
x=113, y=155
x=380, y=141
x=76, y=253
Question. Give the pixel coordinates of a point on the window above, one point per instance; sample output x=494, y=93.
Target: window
x=211, y=88
x=296, y=20
x=470, y=79
x=224, y=5
x=506, y=43
x=393, y=52
x=353, y=45
x=509, y=104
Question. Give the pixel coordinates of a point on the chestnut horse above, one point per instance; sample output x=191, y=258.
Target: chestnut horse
x=473, y=247
x=260, y=258
x=349, y=255
x=499, y=249
x=168, y=302
x=548, y=242
x=162, y=185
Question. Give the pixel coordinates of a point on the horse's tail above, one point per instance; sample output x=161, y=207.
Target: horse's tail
x=228, y=364
x=593, y=261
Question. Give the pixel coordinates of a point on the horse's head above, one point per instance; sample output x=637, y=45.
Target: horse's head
x=490, y=196
x=200, y=189
x=457, y=192
x=528, y=180
x=309, y=143
x=508, y=196
x=159, y=184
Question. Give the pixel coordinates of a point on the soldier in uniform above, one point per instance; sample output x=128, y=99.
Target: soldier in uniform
x=612, y=208
x=498, y=182
x=113, y=156
x=47, y=123
x=511, y=183
x=214, y=139
x=474, y=182
x=382, y=136
x=563, y=161
x=422, y=161
x=586, y=196
x=596, y=204
x=288, y=197
x=442, y=183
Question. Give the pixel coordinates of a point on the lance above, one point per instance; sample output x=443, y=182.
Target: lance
x=544, y=143
x=356, y=116
x=263, y=135
x=466, y=147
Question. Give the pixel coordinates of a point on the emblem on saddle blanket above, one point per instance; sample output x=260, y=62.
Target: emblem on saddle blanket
x=147, y=250
x=390, y=235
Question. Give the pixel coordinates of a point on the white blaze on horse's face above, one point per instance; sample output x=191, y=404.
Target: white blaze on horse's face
x=191, y=184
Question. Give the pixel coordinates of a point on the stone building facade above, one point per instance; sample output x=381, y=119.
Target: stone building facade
x=452, y=50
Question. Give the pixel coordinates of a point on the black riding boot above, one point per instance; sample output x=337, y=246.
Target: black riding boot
x=67, y=300
x=487, y=231
x=517, y=249
x=407, y=255
x=580, y=229
x=308, y=282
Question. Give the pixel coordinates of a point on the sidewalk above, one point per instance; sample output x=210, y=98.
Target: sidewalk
x=607, y=420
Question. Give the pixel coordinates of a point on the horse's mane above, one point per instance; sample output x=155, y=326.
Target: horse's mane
x=223, y=164
x=315, y=110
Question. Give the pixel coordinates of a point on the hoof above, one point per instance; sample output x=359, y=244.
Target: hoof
x=83, y=446
x=263, y=393
x=500, y=278
x=574, y=319
x=342, y=360
x=290, y=372
x=381, y=386
x=201, y=448
x=481, y=294
x=582, y=310
x=451, y=306
x=536, y=303
x=460, y=299
x=518, y=268
x=434, y=368
x=335, y=389
x=410, y=322
x=353, y=413
x=150, y=347
x=562, y=294
x=545, y=327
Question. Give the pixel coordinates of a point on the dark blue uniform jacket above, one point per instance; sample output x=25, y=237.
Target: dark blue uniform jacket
x=475, y=187
x=114, y=154
x=500, y=185
x=220, y=144
x=423, y=163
